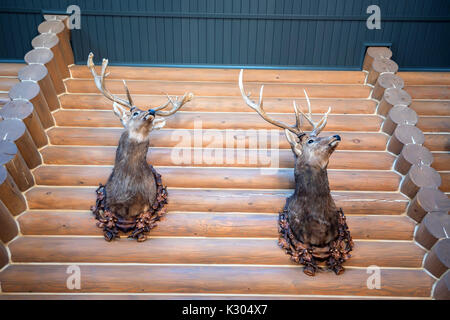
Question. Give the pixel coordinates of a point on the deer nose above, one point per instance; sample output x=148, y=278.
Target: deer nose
x=337, y=137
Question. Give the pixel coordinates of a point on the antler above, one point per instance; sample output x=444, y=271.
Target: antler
x=316, y=127
x=100, y=83
x=177, y=104
x=259, y=107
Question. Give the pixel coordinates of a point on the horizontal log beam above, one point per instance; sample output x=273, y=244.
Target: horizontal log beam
x=82, y=198
x=210, y=224
x=210, y=279
x=236, y=178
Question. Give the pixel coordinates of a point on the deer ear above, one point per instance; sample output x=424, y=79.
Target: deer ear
x=158, y=124
x=123, y=114
x=294, y=142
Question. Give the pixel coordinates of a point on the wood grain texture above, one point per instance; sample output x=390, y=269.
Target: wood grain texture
x=7, y=83
x=82, y=198
x=10, y=69
x=9, y=226
x=210, y=224
x=212, y=232
x=198, y=120
x=223, y=104
x=221, y=88
x=198, y=251
x=4, y=98
x=445, y=186
x=441, y=92
x=437, y=142
x=186, y=138
x=425, y=78
x=224, y=75
x=236, y=178
x=4, y=258
x=91, y=155
x=434, y=124
x=431, y=107
x=209, y=279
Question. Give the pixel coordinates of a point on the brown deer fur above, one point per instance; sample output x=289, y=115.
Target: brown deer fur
x=310, y=215
x=132, y=188
x=311, y=209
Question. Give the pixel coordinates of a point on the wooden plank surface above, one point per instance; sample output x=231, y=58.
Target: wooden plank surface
x=226, y=120
x=437, y=142
x=7, y=83
x=223, y=104
x=283, y=158
x=405, y=254
x=210, y=224
x=440, y=92
x=431, y=107
x=224, y=75
x=445, y=186
x=82, y=198
x=374, y=141
x=236, y=178
x=4, y=98
x=425, y=78
x=210, y=279
x=434, y=124
x=10, y=69
x=441, y=161
x=221, y=88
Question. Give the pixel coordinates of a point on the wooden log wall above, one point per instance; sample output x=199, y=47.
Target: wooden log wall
x=428, y=205
x=24, y=118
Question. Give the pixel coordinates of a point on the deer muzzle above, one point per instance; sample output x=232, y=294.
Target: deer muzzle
x=334, y=140
x=150, y=114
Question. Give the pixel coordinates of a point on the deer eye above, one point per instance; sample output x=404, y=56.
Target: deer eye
x=135, y=114
x=310, y=141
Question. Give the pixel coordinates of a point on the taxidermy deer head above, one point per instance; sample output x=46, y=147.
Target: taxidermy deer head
x=133, y=187
x=308, y=147
x=137, y=122
x=311, y=211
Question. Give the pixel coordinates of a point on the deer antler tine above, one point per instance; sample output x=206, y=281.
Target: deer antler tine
x=176, y=105
x=164, y=105
x=311, y=122
x=309, y=102
x=246, y=97
x=322, y=123
x=100, y=81
x=259, y=107
x=298, y=116
x=104, y=66
x=130, y=100
x=171, y=99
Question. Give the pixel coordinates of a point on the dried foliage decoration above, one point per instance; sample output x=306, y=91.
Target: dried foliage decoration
x=138, y=227
x=334, y=255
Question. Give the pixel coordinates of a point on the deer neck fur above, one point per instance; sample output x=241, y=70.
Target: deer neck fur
x=311, y=182
x=131, y=153
x=311, y=209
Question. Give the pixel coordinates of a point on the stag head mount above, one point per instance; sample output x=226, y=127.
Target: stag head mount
x=308, y=147
x=139, y=123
